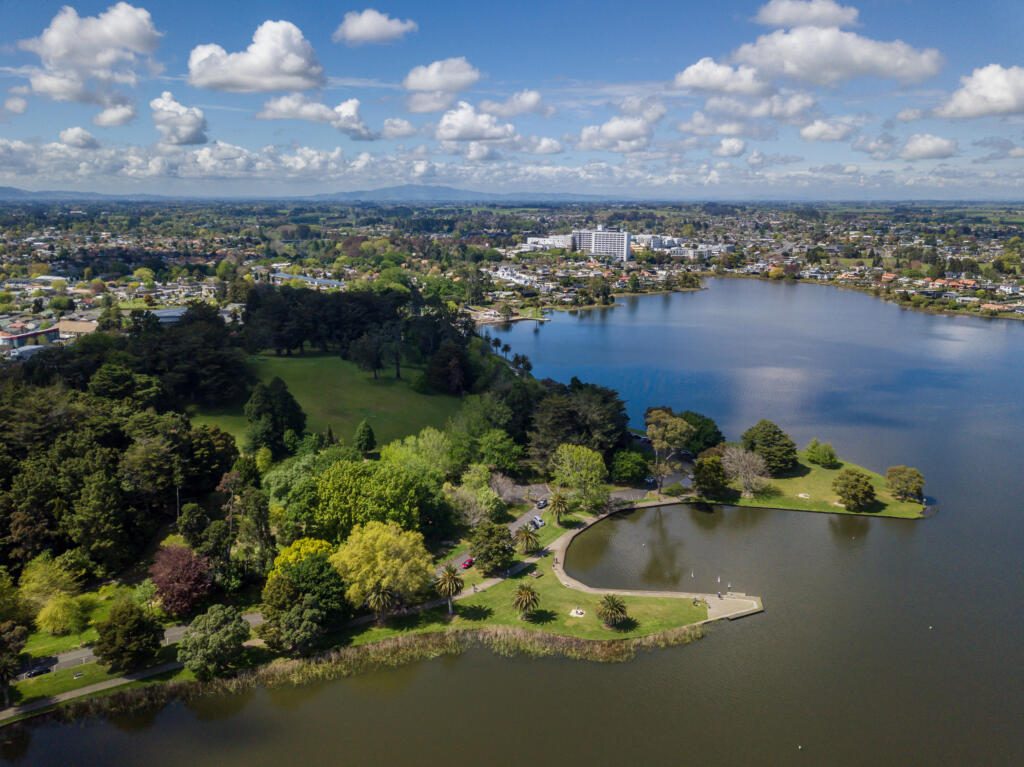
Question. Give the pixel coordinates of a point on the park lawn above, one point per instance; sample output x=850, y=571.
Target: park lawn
x=816, y=483
x=48, y=685
x=40, y=644
x=334, y=392
x=493, y=607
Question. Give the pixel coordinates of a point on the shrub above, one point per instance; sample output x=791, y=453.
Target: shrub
x=822, y=454
x=629, y=468
x=63, y=614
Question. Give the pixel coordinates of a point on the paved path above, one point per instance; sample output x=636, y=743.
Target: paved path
x=730, y=605
x=44, y=703
x=82, y=655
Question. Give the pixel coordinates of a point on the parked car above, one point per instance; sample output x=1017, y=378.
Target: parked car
x=468, y=563
x=37, y=671
x=542, y=503
x=538, y=521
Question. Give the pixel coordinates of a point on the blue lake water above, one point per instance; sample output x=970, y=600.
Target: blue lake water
x=884, y=642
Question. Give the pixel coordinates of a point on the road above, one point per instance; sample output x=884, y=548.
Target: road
x=721, y=606
x=82, y=655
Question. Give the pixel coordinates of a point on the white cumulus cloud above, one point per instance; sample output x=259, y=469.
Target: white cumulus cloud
x=828, y=55
x=806, y=13
x=15, y=104
x=396, y=127
x=708, y=75
x=178, y=124
x=925, y=146
x=371, y=26
x=87, y=58
x=730, y=147
x=79, y=138
x=434, y=85
x=279, y=58
x=112, y=116
x=464, y=123
x=619, y=134
x=827, y=130
x=991, y=90
x=295, y=106
x=519, y=103
x=448, y=75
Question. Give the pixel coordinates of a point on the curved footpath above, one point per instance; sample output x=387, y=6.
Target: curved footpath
x=730, y=605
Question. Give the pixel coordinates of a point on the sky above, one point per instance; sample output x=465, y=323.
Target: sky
x=661, y=99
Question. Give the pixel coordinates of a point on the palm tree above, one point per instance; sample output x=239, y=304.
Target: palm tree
x=449, y=585
x=526, y=538
x=380, y=601
x=559, y=506
x=611, y=610
x=525, y=600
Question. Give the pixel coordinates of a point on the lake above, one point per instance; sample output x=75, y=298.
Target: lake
x=884, y=642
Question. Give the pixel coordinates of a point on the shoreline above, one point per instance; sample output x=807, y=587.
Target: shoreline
x=938, y=311
x=346, y=660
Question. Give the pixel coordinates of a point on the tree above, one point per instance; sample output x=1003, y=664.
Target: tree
x=367, y=352
x=378, y=558
x=821, y=454
x=705, y=434
x=12, y=641
x=182, y=579
x=449, y=584
x=611, y=610
x=491, y=546
x=271, y=412
x=42, y=579
x=353, y=493
x=296, y=629
x=709, y=477
x=526, y=538
x=62, y=614
x=559, y=506
x=629, y=467
x=365, y=441
x=428, y=453
x=192, y=523
x=304, y=569
x=129, y=638
x=213, y=642
x=668, y=433
x=854, y=489
x=525, y=600
x=905, y=483
x=582, y=470
x=773, y=445
x=498, y=451
x=747, y=468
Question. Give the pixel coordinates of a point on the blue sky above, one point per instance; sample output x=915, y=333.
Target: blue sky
x=781, y=99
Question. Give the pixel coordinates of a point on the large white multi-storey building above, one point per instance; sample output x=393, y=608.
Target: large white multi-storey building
x=601, y=242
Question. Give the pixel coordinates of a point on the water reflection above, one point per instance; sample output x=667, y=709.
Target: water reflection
x=212, y=708
x=849, y=531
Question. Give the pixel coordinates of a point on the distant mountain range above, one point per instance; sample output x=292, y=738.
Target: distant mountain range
x=411, y=193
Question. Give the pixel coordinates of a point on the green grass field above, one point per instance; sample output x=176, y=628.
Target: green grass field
x=810, y=489
x=40, y=644
x=493, y=607
x=338, y=394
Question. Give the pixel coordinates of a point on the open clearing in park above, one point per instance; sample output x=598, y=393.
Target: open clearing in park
x=493, y=607
x=336, y=393
x=815, y=482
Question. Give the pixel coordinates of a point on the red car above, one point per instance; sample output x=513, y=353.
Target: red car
x=468, y=563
